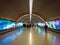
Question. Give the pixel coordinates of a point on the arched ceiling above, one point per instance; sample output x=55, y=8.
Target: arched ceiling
x=12, y=9
x=33, y=14
x=25, y=18
x=50, y=9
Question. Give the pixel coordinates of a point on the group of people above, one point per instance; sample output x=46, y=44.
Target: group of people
x=27, y=25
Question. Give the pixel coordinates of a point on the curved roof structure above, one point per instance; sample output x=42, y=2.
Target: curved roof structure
x=14, y=9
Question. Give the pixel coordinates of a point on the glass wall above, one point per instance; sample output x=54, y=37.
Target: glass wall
x=7, y=24
x=19, y=24
x=55, y=24
x=41, y=24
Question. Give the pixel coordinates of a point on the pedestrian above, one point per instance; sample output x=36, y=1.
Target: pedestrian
x=45, y=28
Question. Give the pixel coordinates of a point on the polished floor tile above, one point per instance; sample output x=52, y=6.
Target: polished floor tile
x=30, y=36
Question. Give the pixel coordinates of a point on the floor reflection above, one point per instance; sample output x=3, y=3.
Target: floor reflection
x=30, y=36
x=20, y=31
x=57, y=41
x=8, y=39
x=52, y=38
x=41, y=32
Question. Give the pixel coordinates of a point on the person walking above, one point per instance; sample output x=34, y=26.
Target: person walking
x=45, y=28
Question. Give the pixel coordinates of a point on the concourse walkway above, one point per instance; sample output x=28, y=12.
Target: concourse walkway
x=30, y=36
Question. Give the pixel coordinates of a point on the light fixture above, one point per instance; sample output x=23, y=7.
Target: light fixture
x=30, y=8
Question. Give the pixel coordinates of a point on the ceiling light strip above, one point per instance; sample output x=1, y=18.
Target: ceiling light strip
x=30, y=8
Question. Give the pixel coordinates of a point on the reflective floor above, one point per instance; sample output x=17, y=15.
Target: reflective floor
x=30, y=36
